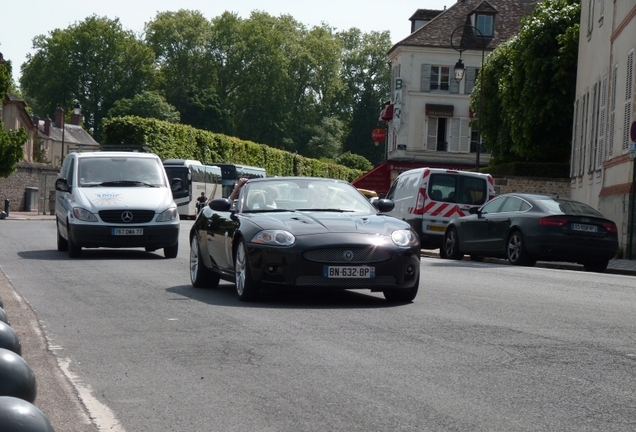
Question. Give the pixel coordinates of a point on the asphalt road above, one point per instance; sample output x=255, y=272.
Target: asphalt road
x=484, y=347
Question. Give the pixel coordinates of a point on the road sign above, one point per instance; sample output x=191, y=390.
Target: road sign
x=378, y=135
x=632, y=131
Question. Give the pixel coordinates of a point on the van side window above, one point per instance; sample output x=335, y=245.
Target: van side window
x=473, y=190
x=70, y=176
x=442, y=187
x=391, y=193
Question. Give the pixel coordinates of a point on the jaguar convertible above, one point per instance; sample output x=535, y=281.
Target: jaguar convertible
x=304, y=233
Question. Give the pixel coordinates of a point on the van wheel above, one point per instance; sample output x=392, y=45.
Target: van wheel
x=171, y=251
x=62, y=244
x=74, y=251
x=451, y=245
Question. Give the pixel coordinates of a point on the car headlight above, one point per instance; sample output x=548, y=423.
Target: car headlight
x=168, y=215
x=274, y=238
x=404, y=238
x=84, y=215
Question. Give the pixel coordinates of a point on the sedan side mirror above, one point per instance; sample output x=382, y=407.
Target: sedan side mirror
x=220, y=204
x=384, y=205
x=474, y=210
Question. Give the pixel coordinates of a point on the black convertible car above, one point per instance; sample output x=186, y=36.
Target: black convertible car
x=300, y=232
x=526, y=228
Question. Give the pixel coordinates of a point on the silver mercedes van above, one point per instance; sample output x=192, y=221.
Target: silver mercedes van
x=115, y=199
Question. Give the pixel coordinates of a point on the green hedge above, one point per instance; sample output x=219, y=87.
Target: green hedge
x=177, y=141
x=530, y=169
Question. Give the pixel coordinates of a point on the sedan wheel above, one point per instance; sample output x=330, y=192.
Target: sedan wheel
x=246, y=289
x=516, y=250
x=597, y=266
x=200, y=275
x=402, y=295
x=451, y=245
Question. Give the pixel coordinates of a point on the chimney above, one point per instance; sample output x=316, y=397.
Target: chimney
x=47, y=125
x=59, y=117
x=36, y=120
x=76, y=117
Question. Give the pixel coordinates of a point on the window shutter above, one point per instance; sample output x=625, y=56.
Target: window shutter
x=464, y=135
x=471, y=77
x=628, y=99
x=431, y=134
x=425, y=81
x=600, y=154
x=453, y=140
x=610, y=144
x=454, y=85
x=575, y=129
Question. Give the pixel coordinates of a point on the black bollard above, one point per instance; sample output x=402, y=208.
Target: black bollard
x=17, y=415
x=16, y=377
x=9, y=339
x=3, y=316
x=7, y=206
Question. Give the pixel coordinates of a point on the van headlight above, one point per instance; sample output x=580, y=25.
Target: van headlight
x=84, y=215
x=168, y=215
x=404, y=238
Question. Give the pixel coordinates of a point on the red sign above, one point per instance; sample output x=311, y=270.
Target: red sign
x=378, y=135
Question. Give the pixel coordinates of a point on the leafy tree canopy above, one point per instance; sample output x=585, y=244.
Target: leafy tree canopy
x=95, y=62
x=149, y=104
x=12, y=142
x=528, y=87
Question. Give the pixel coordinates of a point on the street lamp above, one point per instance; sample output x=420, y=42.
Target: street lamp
x=459, y=74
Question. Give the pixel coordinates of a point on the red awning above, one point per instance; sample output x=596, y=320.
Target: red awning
x=387, y=113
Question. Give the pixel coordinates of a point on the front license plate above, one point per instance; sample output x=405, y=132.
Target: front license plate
x=585, y=228
x=348, y=272
x=127, y=231
x=438, y=228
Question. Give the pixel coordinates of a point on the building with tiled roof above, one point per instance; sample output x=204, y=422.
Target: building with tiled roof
x=428, y=118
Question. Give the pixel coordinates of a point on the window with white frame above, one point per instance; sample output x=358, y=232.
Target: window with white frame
x=600, y=154
x=612, y=122
x=440, y=78
x=628, y=99
x=484, y=24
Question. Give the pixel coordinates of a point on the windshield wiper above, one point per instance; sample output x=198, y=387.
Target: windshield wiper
x=126, y=183
x=326, y=210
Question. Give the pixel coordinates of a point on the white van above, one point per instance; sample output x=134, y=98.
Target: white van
x=115, y=199
x=428, y=198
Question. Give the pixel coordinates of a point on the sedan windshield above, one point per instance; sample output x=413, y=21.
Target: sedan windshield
x=303, y=195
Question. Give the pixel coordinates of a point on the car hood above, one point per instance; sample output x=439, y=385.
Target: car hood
x=96, y=199
x=305, y=223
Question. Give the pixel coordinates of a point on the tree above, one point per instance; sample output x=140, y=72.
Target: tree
x=366, y=78
x=12, y=142
x=149, y=104
x=529, y=92
x=326, y=141
x=354, y=161
x=95, y=62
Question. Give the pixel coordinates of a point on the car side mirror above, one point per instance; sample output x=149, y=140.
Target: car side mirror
x=61, y=185
x=474, y=210
x=220, y=204
x=384, y=205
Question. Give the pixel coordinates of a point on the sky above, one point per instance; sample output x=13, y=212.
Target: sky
x=22, y=22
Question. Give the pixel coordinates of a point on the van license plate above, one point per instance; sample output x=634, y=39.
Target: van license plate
x=438, y=228
x=127, y=231
x=348, y=272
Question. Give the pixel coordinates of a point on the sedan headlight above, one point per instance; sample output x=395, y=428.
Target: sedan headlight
x=404, y=238
x=168, y=215
x=274, y=238
x=84, y=215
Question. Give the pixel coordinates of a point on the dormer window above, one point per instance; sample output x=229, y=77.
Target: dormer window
x=484, y=24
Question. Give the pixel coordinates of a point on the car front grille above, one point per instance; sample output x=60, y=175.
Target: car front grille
x=347, y=255
x=127, y=216
x=383, y=281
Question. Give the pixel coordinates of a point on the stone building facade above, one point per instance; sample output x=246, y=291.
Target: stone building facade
x=31, y=180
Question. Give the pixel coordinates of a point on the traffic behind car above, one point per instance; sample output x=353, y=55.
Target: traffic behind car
x=302, y=233
x=526, y=228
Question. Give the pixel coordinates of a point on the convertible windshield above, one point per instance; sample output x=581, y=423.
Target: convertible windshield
x=303, y=195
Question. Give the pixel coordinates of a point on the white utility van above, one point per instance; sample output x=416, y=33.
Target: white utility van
x=428, y=198
x=115, y=199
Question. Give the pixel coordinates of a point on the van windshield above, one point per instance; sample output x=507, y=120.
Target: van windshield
x=461, y=189
x=120, y=171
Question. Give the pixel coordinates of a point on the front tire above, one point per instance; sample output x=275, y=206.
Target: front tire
x=246, y=288
x=62, y=244
x=200, y=275
x=516, y=250
x=451, y=245
x=171, y=251
x=402, y=295
x=74, y=251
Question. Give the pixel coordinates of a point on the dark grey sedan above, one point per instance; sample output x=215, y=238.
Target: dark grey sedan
x=526, y=228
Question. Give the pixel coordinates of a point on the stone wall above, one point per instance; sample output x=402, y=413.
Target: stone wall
x=545, y=186
x=40, y=178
